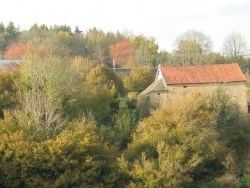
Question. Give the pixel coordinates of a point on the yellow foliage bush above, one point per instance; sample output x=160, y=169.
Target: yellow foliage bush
x=178, y=144
x=75, y=158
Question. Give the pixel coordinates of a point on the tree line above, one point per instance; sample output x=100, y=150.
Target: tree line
x=127, y=50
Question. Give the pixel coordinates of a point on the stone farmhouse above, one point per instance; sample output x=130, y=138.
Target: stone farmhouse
x=173, y=81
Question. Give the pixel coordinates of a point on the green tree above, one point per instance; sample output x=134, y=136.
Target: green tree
x=36, y=35
x=216, y=58
x=77, y=44
x=11, y=31
x=61, y=28
x=8, y=90
x=103, y=76
x=204, y=41
x=192, y=48
x=165, y=58
x=188, y=53
x=45, y=83
x=145, y=50
x=97, y=46
x=139, y=79
x=3, y=41
x=8, y=34
x=98, y=102
x=123, y=123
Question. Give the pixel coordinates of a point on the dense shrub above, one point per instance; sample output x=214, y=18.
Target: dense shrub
x=184, y=144
x=75, y=158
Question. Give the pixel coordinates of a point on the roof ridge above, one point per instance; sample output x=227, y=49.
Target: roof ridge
x=211, y=73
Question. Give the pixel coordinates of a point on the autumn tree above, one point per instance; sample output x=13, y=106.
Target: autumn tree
x=235, y=46
x=60, y=40
x=139, y=79
x=93, y=92
x=185, y=143
x=76, y=157
x=18, y=50
x=166, y=146
x=81, y=66
x=122, y=53
x=103, y=76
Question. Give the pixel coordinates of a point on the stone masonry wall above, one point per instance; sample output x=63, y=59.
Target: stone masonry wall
x=236, y=90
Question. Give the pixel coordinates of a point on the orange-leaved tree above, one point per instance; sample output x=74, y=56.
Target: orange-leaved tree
x=18, y=50
x=122, y=53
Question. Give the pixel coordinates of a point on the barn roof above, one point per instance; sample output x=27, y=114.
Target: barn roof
x=200, y=74
x=9, y=64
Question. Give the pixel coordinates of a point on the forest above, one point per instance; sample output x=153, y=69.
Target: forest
x=67, y=119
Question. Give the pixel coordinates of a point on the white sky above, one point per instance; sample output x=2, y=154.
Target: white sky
x=162, y=19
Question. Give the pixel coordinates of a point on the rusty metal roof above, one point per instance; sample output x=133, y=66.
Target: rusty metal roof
x=200, y=74
x=10, y=64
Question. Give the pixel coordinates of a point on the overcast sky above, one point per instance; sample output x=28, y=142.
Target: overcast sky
x=162, y=19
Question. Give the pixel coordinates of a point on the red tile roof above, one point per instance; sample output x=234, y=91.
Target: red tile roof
x=200, y=74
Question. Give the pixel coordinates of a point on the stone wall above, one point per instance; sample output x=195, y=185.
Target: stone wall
x=236, y=90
